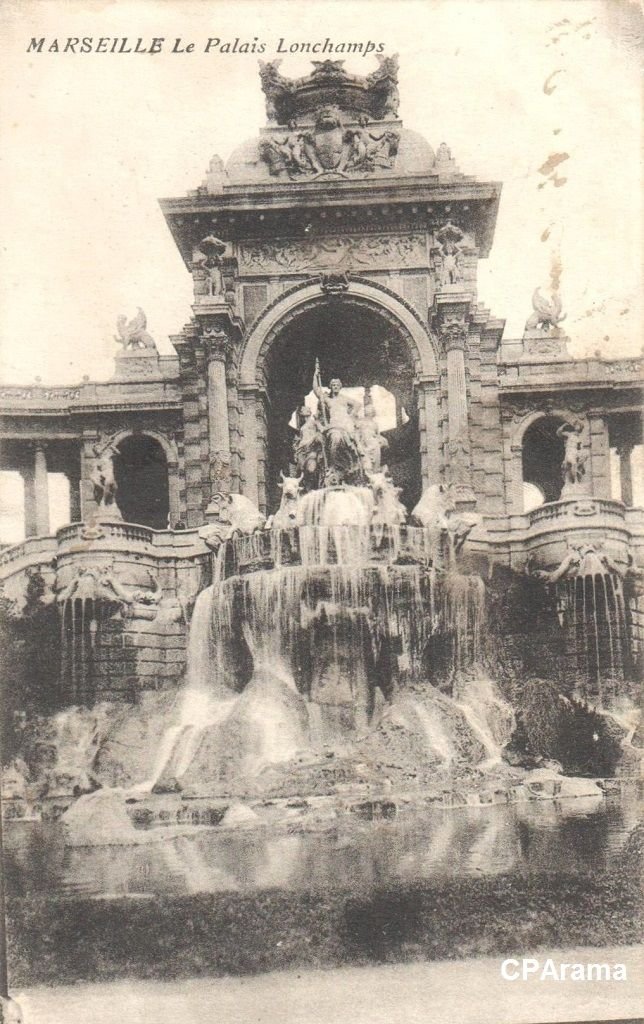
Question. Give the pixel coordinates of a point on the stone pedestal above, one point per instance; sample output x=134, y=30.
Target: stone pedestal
x=550, y=343
x=137, y=364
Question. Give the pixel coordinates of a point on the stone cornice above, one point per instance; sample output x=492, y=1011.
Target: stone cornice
x=577, y=374
x=89, y=397
x=248, y=211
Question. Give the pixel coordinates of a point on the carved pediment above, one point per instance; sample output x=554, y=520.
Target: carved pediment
x=330, y=146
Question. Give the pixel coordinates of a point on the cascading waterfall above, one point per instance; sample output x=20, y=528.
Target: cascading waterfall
x=204, y=702
x=302, y=626
x=490, y=718
x=594, y=598
x=79, y=622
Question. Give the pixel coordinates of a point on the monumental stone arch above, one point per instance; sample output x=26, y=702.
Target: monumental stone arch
x=389, y=346
x=335, y=237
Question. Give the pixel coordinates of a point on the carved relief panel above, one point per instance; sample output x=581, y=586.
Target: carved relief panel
x=360, y=253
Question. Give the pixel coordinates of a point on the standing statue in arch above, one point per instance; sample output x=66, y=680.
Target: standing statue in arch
x=371, y=440
x=103, y=479
x=573, y=466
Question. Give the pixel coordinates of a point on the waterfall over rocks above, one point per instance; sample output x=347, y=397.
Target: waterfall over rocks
x=311, y=648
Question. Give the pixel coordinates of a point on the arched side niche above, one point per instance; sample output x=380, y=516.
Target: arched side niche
x=537, y=455
x=353, y=334
x=146, y=475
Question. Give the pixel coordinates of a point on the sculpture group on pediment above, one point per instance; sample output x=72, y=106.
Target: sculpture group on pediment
x=329, y=146
x=275, y=87
x=368, y=150
x=329, y=82
x=134, y=335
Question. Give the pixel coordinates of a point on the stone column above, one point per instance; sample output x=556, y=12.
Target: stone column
x=75, y=514
x=218, y=347
x=456, y=385
x=250, y=440
x=430, y=441
x=27, y=473
x=42, y=491
x=596, y=479
x=453, y=331
x=624, y=452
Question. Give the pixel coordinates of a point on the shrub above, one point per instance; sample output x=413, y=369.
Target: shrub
x=566, y=730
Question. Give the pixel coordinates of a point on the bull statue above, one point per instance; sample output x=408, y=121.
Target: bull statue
x=241, y=514
x=388, y=510
x=437, y=512
x=286, y=516
x=236, y=514
x=434, y=508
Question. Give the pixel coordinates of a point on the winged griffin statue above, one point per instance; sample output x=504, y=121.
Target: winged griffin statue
x=547, y=313
x=134, y=334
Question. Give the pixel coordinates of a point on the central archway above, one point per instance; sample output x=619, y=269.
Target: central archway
x=366, y=335
x=364, y=350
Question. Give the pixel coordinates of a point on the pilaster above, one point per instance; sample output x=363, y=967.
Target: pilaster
x=451, y=316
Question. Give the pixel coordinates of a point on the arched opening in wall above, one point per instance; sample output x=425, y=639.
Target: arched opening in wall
x=363, y=349
x=141, y=473
x=543, y=453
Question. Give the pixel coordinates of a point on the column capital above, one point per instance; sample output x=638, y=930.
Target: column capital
x=217, y=344
x=451, y=314
x=453, y=332
x=625, y=449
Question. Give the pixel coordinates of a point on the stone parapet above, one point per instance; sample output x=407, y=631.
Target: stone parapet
x=543, y=537
x=175, y=560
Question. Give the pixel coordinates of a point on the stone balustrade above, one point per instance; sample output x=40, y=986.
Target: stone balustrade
x=32, y=551
x=545, y=534
x=177, y=560
x=554, y=512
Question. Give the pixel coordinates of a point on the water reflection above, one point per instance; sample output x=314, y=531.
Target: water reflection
x=576, y=836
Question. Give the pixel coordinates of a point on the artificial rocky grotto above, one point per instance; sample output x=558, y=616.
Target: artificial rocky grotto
x=348, y=541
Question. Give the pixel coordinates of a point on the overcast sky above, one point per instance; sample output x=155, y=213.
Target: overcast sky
x=92, y=141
